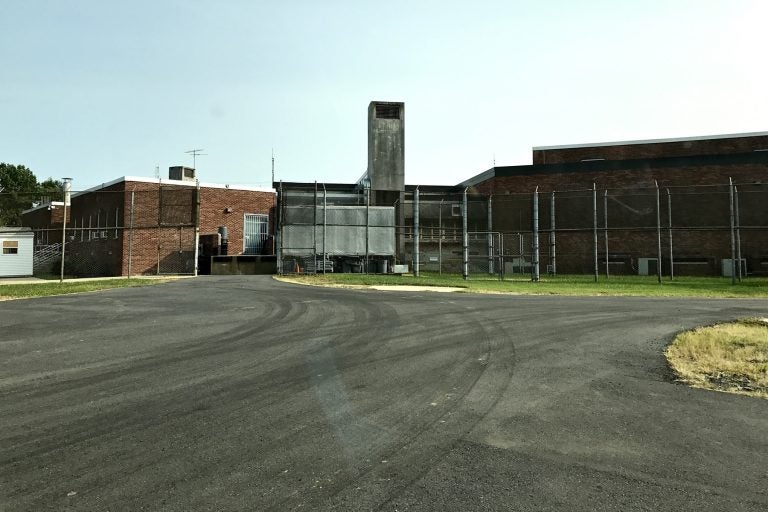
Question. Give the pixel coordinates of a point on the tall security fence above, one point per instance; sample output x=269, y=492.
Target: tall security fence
x=111, y=232
x=655, y=230
x=333, y=231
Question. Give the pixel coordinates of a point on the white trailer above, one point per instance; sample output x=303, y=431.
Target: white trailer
x=16, y=251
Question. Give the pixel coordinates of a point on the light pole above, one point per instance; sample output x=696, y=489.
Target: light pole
x=67, y=190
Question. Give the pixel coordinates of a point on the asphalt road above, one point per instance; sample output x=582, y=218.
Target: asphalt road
x=242, y=393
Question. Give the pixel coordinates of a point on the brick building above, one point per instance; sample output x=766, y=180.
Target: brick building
x=608, y=205
x=693, y=176
x=134, y=226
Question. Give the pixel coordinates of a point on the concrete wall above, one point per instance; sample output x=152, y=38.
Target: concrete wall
x=386, y=145
x=243, y=265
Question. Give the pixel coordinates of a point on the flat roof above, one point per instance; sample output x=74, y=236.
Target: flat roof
x=653, y=141
x=666, y=162
x=159, y=181
x=15, y=229
x=181, y=183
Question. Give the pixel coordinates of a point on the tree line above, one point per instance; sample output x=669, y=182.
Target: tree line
x=20, y=190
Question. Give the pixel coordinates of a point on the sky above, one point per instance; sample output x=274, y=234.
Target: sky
x=99, y=89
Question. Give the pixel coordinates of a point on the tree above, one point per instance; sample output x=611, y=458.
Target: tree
x=52, y=189
x=19, y=188
x=16, y=178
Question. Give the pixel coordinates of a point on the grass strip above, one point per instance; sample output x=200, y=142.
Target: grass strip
x=730, y=357
x=643, y=286
x=22, y=290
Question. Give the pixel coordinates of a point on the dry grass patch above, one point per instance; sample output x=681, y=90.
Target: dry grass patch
x=729, y=357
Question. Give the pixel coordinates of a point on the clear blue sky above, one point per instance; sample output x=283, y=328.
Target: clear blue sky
x=98, y=89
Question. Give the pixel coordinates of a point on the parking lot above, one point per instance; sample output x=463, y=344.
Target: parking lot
x=243, y=393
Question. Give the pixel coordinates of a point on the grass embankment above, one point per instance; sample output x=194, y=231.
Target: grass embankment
x=18, y=291
x=560, y=285
x=729, y=357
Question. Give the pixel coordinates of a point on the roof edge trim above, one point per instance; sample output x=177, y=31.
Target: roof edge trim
x=652, y=141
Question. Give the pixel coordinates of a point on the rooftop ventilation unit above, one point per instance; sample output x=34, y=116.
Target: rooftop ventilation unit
x=181, y=173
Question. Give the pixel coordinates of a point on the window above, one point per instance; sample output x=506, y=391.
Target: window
x=255, y=232
x=10, y=247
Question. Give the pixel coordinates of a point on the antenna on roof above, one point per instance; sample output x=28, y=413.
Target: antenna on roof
x=273, y=166
x=157, y=172
x=195, y=153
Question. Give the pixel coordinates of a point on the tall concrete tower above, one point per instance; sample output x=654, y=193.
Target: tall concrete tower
x=386, y=146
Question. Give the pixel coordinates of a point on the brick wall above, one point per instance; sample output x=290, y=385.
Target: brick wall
x=227, y=207
x=159, y=236
x=46, y=222
x=652, y=150
x=626, y=178
x=700, y=215
x=160, y=248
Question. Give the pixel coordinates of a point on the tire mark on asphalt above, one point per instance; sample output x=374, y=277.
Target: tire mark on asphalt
x=416, y=449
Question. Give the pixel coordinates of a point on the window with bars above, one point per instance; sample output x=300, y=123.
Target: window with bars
x=255, y=232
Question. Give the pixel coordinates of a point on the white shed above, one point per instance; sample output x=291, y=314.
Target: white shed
x=17, y=251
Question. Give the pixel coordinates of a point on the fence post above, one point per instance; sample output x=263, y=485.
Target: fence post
x=490, y=235
x=416, y=235
x=594, y=229
x=67, y=189
x=280, y=215
x=738, y=232
x=671, y=253
x=535, y=237
x=552, y=255
x=325, y=220
x=367, y=222
x=314, y=227
x=658, y=232
x=440, y=239
x=733, y=234
x=197, y=224
x=464, y=236
x=159, y=222
x=605, y=222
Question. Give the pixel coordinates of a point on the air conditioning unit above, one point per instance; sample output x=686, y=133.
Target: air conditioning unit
x=727, y=267
x=647, y=266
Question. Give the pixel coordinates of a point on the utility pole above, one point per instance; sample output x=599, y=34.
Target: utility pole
x=67, y=197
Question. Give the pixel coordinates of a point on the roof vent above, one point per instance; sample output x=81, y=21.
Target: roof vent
x=387, y=111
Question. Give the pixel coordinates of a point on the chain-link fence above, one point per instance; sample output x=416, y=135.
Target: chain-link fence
x=702, y=230
x=110, y=232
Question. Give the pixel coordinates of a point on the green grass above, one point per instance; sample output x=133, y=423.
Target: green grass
x=729, y=357
x=17, y=291
x=646, y=286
